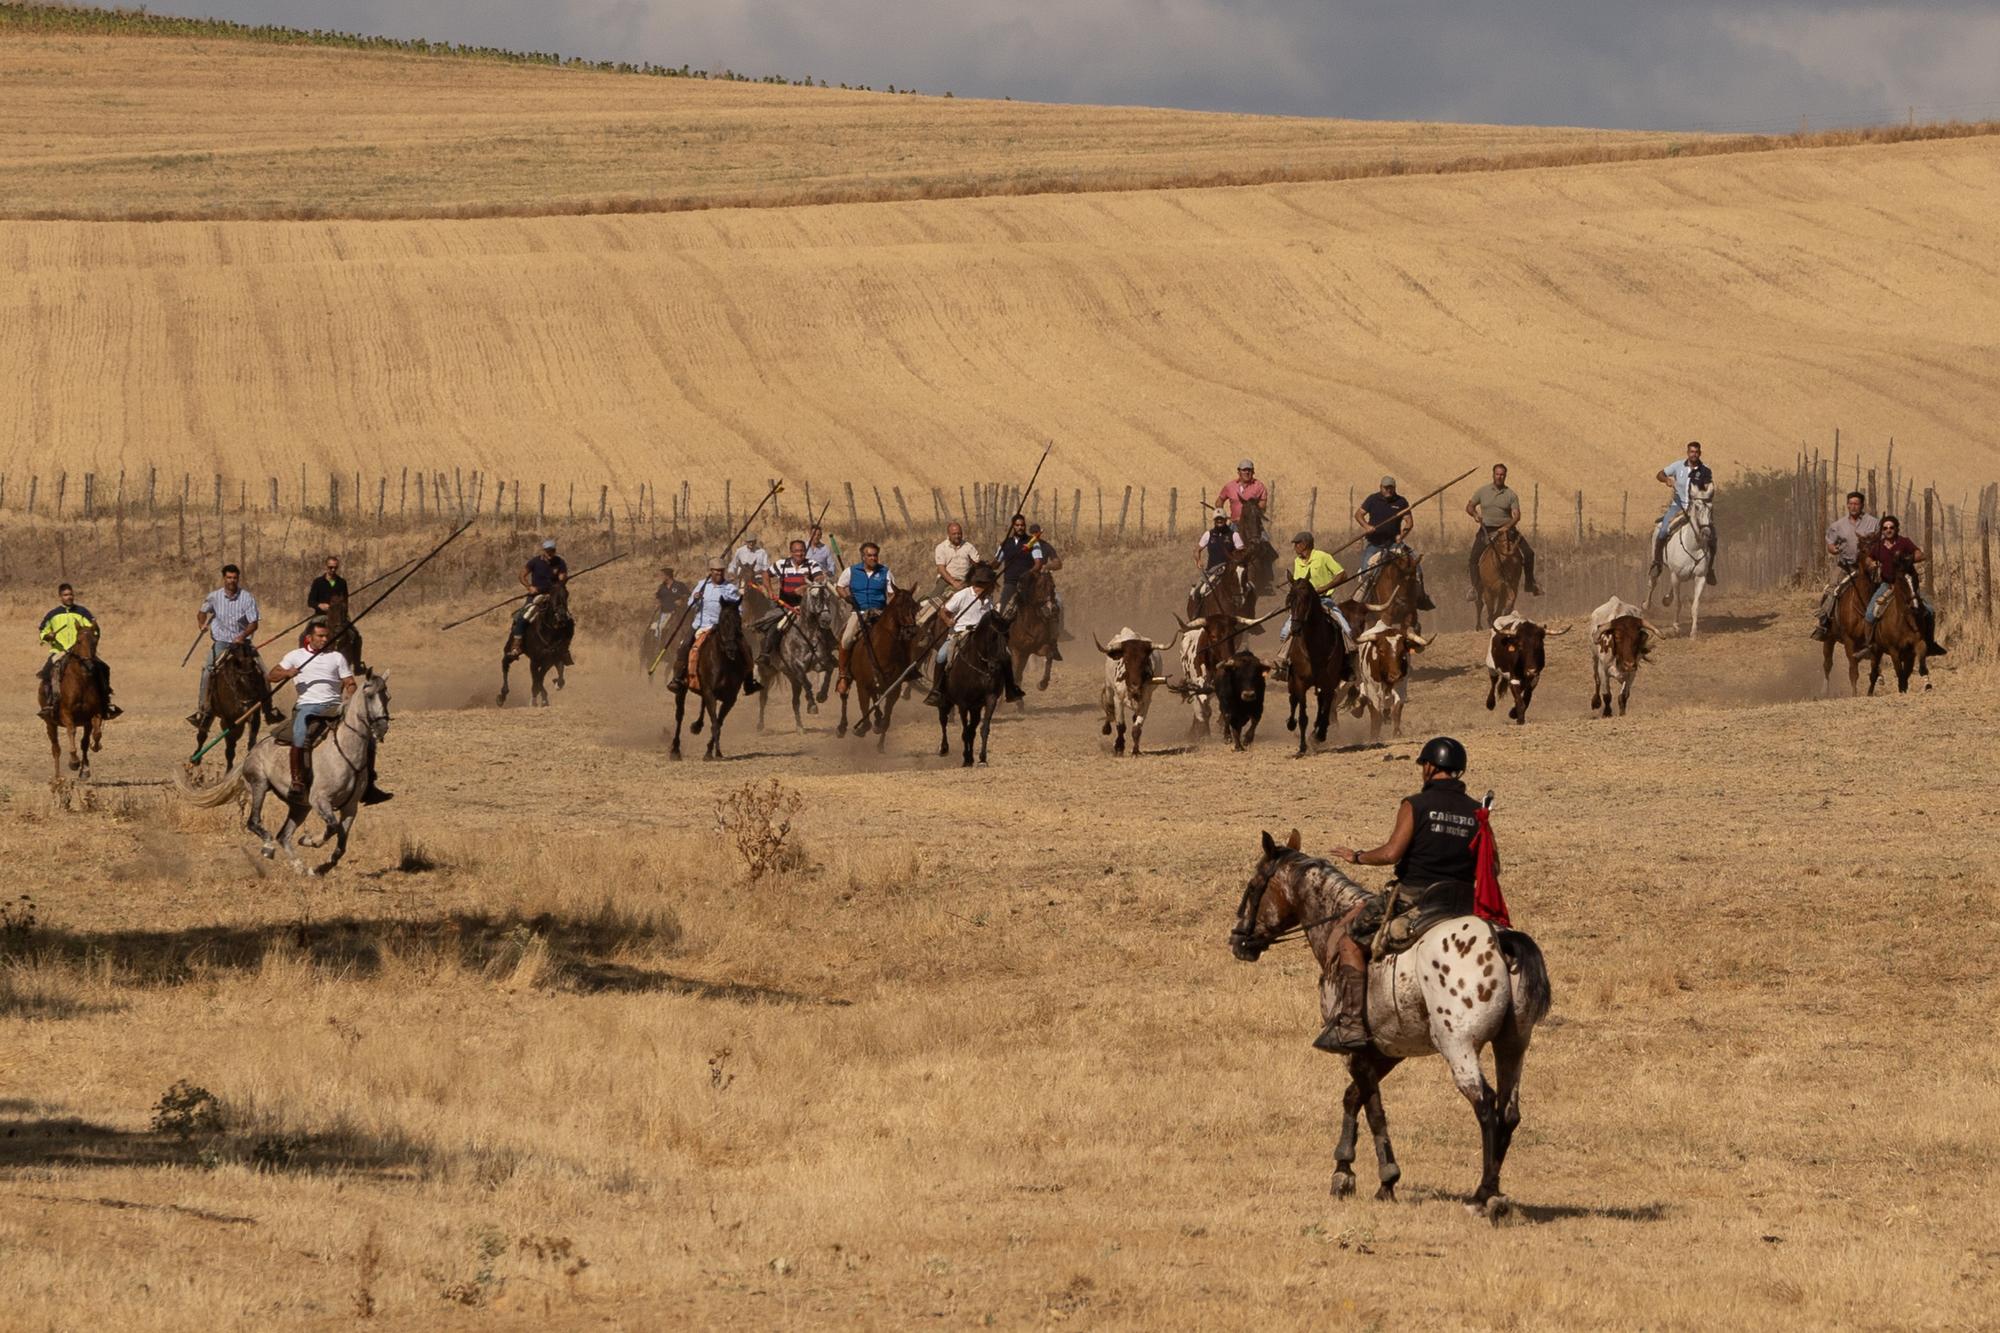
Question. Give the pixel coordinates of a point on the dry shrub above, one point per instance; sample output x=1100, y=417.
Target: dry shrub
x=757, y=819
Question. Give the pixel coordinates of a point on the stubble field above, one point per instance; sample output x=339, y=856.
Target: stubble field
x=983, y=1057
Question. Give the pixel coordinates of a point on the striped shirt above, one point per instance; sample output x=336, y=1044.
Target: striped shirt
x=234, y=615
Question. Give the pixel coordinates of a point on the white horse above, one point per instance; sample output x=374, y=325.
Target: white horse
x=341, y=763
x=1685, y=559
x=1465, y=985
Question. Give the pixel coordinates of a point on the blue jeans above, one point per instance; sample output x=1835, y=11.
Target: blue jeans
x=304, y=711
x=1882, y=595
x=216, y=647
x=1667, y=520
x=1332, y=609
x=520, y=625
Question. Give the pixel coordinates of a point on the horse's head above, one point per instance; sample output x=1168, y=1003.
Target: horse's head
x=820, y=605
x=85, y=647
x=373, y=695
x=1301, y=600
x=901, y=611
x=1506, y=542
x=1267, y=908
x=1250, y=523
x=336, y=612
x=1701, y=508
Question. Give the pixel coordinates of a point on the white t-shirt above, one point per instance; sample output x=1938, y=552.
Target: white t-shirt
x=966, y=607
x=748, y=563
x=319, y=678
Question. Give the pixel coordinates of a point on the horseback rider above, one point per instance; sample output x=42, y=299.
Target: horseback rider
x=58, y=632
x=1846, y=538
x=324, y=680
x=1683, y=475
x=1308, y=562
x=793, y=573
x=541, y=576
x=1495, y=506
x=965, y=608
x=708, y=597
x=1021, y=552
x=1889, y=549
x=668, y=598
x=866, y=588
x=1431, y=848
x=229, y=614
x=954, y=557
x=328, y=586
x=750, y=565
x=822, y=552
x=1217, y=546
x=1385, y=520
x=1244, y=487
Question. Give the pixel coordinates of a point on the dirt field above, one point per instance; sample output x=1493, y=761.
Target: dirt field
x=984, y=1057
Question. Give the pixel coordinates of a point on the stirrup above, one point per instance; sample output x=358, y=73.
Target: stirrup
x=1336, y=1040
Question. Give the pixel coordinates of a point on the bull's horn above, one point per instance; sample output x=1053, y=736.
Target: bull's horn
x=1419, y=640
x=1093, y=639
x=1558, y=633
x=1157, y=680
x=1248, y=620
x=1187, y=625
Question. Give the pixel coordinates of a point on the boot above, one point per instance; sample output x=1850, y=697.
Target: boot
x=372, y=794
x=750, y=685
x=513, y=649
x=198, y=718
x=1348, y=1030
x=1424, y=602
x=1823, y=628
x=1659, y=555
x=272, y=717
x=935, y=699
x=300, y=776
x=1011, y=692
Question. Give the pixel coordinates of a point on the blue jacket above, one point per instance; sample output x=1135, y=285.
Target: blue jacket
x=869, y=591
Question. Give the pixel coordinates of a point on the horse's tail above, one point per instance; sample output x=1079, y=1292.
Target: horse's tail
x=221, y=793
x=1533, y=996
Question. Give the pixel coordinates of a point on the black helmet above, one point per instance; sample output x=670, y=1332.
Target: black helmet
x=1442, y=752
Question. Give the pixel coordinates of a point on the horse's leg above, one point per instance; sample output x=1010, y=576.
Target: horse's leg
x=1048, y=665
x=505, y=662
x=1694, y=606
x=944, y=730
x=1343, y=1149
x=86, y=744
x=1323, y=715
x=715, y=727
x=680, y=711
x=1853, y=672
x=1510, y=1052
x=763, y=699
x=1874, y=669
x=882, y=724
x=1461, y=1053
x=1386, y=1169
x=55, y=754
x=339, y=828
x=966, y=732
x=986, y=723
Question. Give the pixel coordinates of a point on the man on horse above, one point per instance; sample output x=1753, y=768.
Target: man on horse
x=1888, y=553
x=1846, y=538
x=964, y=609
x=954, y=557
x=1021, y=553
x=541, y=576
x=708, y=598
x=1317, y=566
x=1683, y=474
x=328, y=586
x=1244, y=487
x=1431, y=846
x=866, y=588
x=1494, y=507
x=1385, y=520
x=58, y=632
x=668, y=598
x=229, y=614
x=750, y=565
x=792, y=575
x=1216, y=547
x=323, y=678
x=822, y=552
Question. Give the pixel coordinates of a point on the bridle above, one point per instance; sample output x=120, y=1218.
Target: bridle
x=1242, y=938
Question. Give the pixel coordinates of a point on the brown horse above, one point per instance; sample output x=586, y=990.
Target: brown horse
x=237, y=695
x=1318, y=661
x=545, y=645
x=880, y=655
x=1499, y=583
x=1035, y=622
x=1849, y=629
x=79, y=705
x=1898, y=634
x=1258, y=553
x=1224, y=591
x=720, y=668
x=1394, y=588
x=341, y=635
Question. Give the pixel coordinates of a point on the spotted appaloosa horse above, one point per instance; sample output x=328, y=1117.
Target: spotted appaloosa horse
x=1465, y=985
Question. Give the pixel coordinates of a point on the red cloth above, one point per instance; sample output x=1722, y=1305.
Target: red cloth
x=1487, y=901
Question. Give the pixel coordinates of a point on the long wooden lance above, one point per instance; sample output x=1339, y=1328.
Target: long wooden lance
x=515, y=597
x=457, y=532
x=191, y=647
x=1021, y=505
x=681, y=619
x=390, y=572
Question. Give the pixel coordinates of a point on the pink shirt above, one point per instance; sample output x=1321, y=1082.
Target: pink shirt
x=1234, y=493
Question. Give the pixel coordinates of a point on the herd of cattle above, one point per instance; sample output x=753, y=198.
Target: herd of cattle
x=1225, y=682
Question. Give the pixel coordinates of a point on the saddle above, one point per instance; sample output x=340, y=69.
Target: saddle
x=316, y=728
x=1418, y=909
x=693, y=672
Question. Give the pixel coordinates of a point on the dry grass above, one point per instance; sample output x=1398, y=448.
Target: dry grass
x=986, y=1056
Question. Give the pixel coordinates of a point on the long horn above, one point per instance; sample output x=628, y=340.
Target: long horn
x=1558, y=633
x=1187, y=625
x=1093, y=639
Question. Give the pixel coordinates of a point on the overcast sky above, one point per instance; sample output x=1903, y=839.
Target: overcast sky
x=1622, y=63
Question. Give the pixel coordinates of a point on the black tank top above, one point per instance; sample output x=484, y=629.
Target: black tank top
x=1441, y=846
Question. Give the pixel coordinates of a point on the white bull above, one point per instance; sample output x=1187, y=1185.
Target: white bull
x=1384, y=652
x=1131, y=676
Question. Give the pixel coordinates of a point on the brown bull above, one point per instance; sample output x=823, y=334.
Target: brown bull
x=1131, y=676
x=1516, y=658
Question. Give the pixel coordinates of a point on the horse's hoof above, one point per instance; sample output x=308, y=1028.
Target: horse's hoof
x=1499, y=1208
x=1387, y=1194
x=861, y=728
x=270, y=852
x=840, y=730
x=1343, y=1184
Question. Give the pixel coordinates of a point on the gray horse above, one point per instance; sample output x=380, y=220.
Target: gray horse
x=341, y=763
x=807, y=645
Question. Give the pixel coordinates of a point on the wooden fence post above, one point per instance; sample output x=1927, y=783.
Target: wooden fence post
x=1871, y=490
x=1535, y=519
x=1579, y=518
x=603, y=502
x=89, y=495
x=1986, y=566
x=541, y=503
x=1142, y=511
x=881, y=508
x=1312, y=506
x=62, y=485
x=152, y=479
x=34, y=485
x=1173, y=511
x=1100, y=513
x=1624, y=514
x=333, y=496
x=381, y=497
x=1123, y=509
x=897, y=491
x=853, y=515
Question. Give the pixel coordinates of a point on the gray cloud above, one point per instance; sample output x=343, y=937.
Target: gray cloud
x=1623, y=63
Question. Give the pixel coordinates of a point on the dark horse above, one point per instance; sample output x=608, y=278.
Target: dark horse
x=720, y=668
x=1258, y=553
x=1034, y=620
x=341, y=635
x=545, y=645
x=1225, y=591
x=1318, y=660
x=79, y=704
x=880, y=655
x=1898, y=631
x=237, y=697
x=977, y=675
